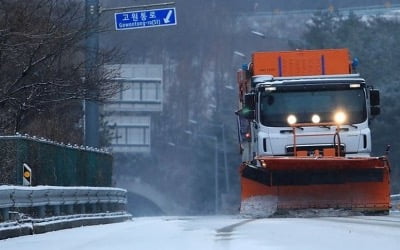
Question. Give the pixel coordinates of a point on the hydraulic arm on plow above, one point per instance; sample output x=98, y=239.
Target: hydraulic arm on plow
x=304, y=136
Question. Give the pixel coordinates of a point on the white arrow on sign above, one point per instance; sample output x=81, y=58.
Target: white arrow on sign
x=166, y=19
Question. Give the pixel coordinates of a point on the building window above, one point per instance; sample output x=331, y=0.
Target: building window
x=140, y=91
x=150, y=91
x=131, y=135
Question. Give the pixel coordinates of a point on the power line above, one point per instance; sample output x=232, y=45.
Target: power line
x=361, y=10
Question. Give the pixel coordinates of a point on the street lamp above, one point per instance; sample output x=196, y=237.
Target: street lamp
x=188, y=132
x=238, y=53
x=257, y=33
x=229, y=87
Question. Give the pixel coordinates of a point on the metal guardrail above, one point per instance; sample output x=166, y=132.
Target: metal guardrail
x=395, y=201
x=47, y=201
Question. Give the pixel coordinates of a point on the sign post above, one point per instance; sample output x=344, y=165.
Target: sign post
x=145, y=19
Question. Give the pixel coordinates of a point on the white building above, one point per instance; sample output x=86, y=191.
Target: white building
x=129, y=113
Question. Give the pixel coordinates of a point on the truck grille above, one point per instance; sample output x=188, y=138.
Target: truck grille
x=311, y=148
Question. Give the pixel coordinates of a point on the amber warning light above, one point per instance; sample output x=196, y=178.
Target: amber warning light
x=26, y=175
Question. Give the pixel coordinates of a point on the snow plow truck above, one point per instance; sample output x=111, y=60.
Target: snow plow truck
x=304, y=135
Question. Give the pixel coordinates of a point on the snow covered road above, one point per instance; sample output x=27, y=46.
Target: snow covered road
x=223, y=232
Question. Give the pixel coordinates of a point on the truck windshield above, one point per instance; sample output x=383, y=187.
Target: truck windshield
x=276, y=106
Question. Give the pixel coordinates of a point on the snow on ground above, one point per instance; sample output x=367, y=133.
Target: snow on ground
x=223, y=232
x=259, y=206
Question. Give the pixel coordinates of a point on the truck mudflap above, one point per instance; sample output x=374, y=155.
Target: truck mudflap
x=282, y=184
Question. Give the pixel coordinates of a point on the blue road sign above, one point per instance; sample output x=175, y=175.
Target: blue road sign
x=145, y=19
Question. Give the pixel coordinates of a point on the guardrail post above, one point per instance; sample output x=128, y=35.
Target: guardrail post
x=122, y=206
x=56, y=210
x=104, y=207
x=4, y=214
x=70, y=209
x=111, y=207
x=42, y=211
x=93, y=207
x=82, y=208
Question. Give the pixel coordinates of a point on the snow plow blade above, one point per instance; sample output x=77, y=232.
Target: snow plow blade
x=284, y=184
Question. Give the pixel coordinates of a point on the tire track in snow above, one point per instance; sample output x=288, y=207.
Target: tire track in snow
x=225, y=233
x=388, y=221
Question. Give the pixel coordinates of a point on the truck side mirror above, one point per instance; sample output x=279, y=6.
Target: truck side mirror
x=246, y=113
x=374, y=101
x=249, y=106
x=250, y=101
x=375, y=110
x=374, y=97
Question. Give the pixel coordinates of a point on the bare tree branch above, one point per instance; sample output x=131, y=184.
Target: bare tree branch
x=42, y=60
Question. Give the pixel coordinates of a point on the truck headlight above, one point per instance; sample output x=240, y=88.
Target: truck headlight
x=340, y=117
x=315, y=119
x=291, y=119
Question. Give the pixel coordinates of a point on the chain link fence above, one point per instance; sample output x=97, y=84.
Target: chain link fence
x=52, y=163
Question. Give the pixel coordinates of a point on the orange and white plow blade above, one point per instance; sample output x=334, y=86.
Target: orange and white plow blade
x=290, y=183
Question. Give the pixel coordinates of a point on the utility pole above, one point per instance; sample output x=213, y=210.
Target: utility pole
x=91, y=108
x=91, y=125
